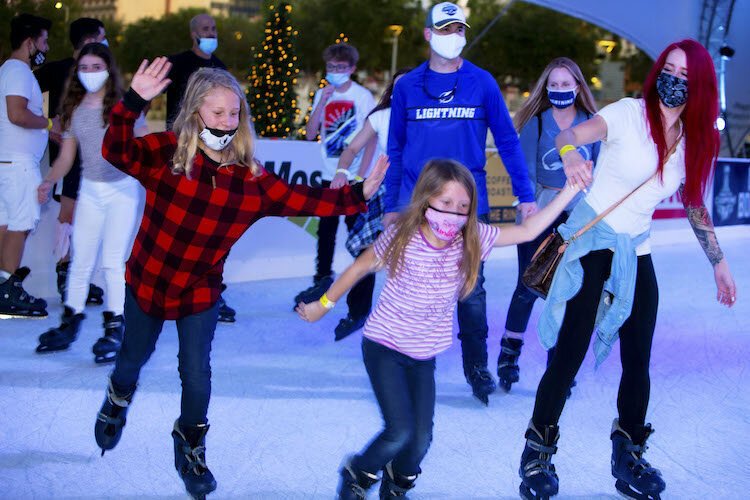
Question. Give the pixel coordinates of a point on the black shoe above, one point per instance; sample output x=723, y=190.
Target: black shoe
x=538, y=476
x=111, y=418
x=60, y=338
x=190, y=458
x=507, y=362
x=349, y=325
x=395, y=485
x=481, y=382
x=15, y=302
x=354, y=483
x=226, y=313
x=106, y=348
x=315, y=292
x=95, y=296
x=635, y=477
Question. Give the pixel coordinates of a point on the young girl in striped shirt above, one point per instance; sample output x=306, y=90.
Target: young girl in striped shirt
x=432, y=255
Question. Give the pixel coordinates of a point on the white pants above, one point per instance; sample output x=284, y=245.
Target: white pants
x=105, y=216
x=19, y=178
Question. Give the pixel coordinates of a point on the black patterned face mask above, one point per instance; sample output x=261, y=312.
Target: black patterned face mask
x=672, y=90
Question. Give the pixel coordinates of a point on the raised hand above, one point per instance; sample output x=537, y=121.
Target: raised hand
x=151, y=79
x=373, y=181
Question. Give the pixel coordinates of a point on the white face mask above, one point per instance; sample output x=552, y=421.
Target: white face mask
x=447, y=46
x=215, y=138
x=92, y=82
x=208, y=45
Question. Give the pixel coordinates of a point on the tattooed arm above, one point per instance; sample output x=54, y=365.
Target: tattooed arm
x=703, y=228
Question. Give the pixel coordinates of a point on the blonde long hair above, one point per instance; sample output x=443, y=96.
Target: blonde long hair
x=538, y=100
x=188, y=124
x=432, y=180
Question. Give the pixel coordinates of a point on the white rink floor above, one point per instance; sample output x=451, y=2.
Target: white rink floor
x=288, y=403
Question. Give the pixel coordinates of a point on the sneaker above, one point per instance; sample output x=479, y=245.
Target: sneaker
x=349, y=325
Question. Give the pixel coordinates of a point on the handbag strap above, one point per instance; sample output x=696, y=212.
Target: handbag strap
x=602, y=215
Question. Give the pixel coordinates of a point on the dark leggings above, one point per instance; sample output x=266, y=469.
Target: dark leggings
x=636, y=335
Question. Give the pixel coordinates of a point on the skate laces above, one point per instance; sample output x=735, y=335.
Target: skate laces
x=196, y=458
x=480, y=373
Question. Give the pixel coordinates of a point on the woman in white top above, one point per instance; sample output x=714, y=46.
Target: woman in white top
x=359, y=299
x=652, y=147
x=107, y=205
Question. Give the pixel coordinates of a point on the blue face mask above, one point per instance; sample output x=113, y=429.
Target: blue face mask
x=672, y=90
x=561, y=98
x=337, y=79
x=208, y=45
x=104, y=42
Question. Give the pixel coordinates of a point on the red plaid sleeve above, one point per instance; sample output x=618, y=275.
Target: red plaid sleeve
x=285, y=200
x=136, y=156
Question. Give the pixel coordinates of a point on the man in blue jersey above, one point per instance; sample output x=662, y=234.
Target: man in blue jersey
x=442, y=109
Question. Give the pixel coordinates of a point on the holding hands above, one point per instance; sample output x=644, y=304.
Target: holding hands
x=577, y=170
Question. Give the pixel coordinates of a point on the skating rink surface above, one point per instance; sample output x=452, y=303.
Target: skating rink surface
x=288, y=403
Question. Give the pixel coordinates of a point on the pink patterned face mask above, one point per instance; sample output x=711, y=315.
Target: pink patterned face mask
x=445, y=225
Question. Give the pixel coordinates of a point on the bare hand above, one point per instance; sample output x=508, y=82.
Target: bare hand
x=372, y=183
x=726, y=289
x=339, y=180
x=151, y=79
x=389, y=219
x=527, y=209
x=326, y=93
x=42, y=192
x=311, y=312
x=577, y=170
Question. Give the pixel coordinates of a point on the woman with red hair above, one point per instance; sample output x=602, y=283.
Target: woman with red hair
x=605, y=283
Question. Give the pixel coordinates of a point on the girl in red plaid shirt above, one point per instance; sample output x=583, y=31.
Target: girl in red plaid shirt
x=203, y=191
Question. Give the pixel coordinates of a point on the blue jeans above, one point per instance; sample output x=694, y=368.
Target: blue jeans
x=472, y=321
x=195, y=334
x=405, y=390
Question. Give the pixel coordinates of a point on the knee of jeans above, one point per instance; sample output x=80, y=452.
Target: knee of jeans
x=398, y=436
x=196, y=376
x=422, y=441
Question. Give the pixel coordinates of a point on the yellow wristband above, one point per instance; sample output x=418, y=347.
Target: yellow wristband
x=326, y=302
x=49, y=124
x=567, y=148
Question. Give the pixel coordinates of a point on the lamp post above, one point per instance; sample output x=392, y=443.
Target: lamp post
x=60, y=5
x=394, y=30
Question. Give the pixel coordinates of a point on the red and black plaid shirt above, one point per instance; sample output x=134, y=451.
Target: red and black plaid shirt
x=188, y=225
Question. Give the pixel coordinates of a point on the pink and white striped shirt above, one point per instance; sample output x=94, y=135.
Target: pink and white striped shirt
x=414, y=313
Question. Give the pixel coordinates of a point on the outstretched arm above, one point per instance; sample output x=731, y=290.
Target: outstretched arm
x=532, y=226
x=703, y=227
x=362, y=266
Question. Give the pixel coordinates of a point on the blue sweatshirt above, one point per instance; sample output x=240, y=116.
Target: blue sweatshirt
x=446, y=115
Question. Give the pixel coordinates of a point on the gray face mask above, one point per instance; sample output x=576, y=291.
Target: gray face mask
x=38, y=58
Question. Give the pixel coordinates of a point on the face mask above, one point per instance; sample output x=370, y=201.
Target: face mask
x=92, y=82
x=447, y=46
x=104, y=42
x=672, y=90
x=445, y=225
x=561, y=98
x=208, y=45
x=215, y=138
x=38, y=58
x=337, y=79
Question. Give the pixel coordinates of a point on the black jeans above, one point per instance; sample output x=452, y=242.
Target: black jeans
x=472, y=321
x=359, y=298
x=405, y=390
x=522, y=302
x=195, y=333
x=636, y=335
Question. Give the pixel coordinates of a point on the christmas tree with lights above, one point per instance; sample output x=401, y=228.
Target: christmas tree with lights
x=273, y=75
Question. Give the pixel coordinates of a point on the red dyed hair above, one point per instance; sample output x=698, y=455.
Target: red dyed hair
x=702, y=140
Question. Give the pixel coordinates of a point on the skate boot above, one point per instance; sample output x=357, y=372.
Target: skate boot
x=226, y=313
x=315, y=292
x=60, y=338
x=550, y=355
x=395, y=485
x=111, y=418
x=354, y=483
x=61, y=269
x=538, y=477
x=481, y=382
x=106, y=348
x=636, y=478
x=507, y=362
x=15, y=302
x=95, y=296
x=190, y=459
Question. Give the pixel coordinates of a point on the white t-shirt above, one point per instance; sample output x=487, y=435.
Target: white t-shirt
x=627, y=158
x=17, y=79
x=380, y=121
x=343, y=116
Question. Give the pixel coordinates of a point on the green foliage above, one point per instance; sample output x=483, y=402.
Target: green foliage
x=59, y=43
x=271, y=94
